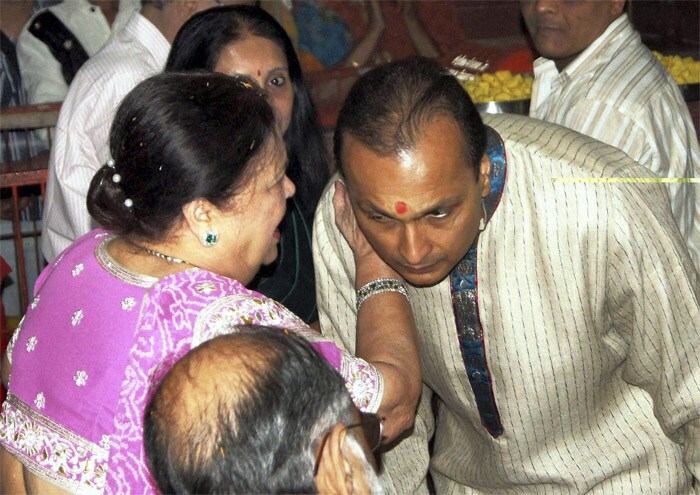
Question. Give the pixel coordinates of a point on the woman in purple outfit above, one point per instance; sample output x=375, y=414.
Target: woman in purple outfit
x=191, y=202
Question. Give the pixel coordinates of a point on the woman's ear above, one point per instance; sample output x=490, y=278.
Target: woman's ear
x=485, y=176
x=198, y=215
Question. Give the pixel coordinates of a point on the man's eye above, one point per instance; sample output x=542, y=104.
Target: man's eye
x=439, y=213
x=377, y=217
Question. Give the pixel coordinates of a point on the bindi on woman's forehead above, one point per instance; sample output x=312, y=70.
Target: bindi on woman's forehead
x=401, y=207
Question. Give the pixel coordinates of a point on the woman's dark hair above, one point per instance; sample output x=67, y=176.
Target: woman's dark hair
x=199, y=44
x=177, y=137
x=388, y=108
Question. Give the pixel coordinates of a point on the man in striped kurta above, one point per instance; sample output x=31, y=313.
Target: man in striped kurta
x=596, y=76
x=555, y=301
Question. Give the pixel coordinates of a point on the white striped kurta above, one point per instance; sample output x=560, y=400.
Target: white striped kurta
x=618, y=92
x=590, y=312
x=81, y=143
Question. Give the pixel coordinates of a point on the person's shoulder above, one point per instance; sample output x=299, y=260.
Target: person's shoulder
x=547, y=148
x=75, y=256
x=64, y=11
x=214, y=304
x=325, y=212
x=628, y=77
x=114, y=69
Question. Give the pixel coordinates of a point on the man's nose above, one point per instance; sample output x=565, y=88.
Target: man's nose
x=415, y=245
x=546, y=6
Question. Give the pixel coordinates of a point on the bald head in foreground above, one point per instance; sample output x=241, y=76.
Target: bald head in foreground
x=258, y=411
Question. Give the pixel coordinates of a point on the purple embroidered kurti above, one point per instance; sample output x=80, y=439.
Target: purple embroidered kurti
x=95, y=339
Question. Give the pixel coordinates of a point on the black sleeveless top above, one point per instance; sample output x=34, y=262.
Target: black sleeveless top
x=290, y=279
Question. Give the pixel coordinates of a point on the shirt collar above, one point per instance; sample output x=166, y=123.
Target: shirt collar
x=150, y=36
x=545, y=66
x=496, y=152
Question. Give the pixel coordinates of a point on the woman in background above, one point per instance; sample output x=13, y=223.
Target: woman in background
x=248, y=41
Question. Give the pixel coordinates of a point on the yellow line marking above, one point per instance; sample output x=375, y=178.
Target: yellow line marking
x=626, y=180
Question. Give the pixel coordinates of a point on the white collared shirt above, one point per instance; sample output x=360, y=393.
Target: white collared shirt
x=586, y=301
x=81, y=143
x=42, y=75
x=616, y=91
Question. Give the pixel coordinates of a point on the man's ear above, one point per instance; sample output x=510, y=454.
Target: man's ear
x=331, y=477
x=199, y=215
x=186, y=8
x=484, y=176
x=617, y=7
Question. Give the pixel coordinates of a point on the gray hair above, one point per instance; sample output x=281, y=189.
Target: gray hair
x=244, y=413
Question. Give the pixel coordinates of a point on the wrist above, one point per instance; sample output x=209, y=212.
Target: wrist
x=379, y=286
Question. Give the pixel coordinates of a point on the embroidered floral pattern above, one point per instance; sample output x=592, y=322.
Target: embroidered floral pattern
x=31, y=343
x=40, y=400
x=364, y=382
x=80, y=378
x=52, y=451
x=77, y=316
x=78, y=268
x=128, y=304
x=104, y=442
x=205, y=288
x=101, y=234
x=35, y=302
x=223, y=315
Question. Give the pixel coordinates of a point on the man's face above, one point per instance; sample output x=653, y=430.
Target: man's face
x=420, y=211
x=561, y=29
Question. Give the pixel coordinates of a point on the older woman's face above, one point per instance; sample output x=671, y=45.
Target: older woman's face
x=249, y=229
x=262, y=60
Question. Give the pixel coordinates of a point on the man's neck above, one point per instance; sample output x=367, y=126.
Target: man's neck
x=109, y=9
x=563, y=63
x=14, y=16
x=163, y=20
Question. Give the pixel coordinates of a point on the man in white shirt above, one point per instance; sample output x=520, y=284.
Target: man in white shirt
x=555, y=303
x=81, y=143
x=595, y=76
x=58, y=40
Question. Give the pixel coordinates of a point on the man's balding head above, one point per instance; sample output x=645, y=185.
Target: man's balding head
x=244, y=413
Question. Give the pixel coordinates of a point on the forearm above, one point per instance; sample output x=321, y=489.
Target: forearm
x=363, y=51
x=386, y=338
x=384, y=333
x=422, y=42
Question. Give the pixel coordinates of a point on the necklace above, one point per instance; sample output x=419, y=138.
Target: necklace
x=158, y=254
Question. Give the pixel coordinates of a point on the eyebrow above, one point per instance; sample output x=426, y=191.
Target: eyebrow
x=284, y=68
x=444, y=204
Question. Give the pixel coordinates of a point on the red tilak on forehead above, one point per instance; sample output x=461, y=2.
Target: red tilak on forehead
x=401, y=207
